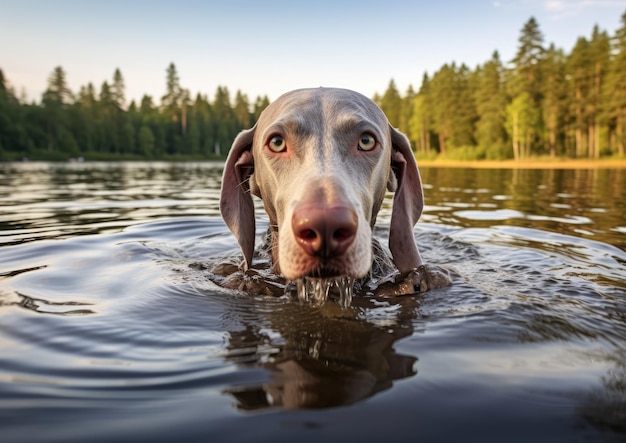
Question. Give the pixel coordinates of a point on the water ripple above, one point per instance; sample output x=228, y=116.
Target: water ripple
x=110, y=328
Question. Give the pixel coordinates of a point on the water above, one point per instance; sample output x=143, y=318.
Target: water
x=317, y=290
x=110, y=329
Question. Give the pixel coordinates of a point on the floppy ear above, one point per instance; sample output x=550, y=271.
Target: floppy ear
x=408, y=203
x=236, y=203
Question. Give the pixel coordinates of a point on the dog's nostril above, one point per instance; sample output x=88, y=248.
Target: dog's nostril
x=308, y=234
x=342, y=234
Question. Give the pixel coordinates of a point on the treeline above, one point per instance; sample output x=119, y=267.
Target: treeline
x=99, y=124
x=544, y=102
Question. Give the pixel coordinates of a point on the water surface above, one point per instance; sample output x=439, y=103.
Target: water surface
x=111, y=331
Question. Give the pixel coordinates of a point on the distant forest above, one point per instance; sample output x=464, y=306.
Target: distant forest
x=544, y=102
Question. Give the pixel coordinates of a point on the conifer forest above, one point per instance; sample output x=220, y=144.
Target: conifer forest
x=546, y=101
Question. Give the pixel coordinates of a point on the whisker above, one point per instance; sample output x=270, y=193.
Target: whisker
x=244, y=181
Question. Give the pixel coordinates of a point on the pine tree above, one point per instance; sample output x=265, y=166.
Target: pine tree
x=259, y=105
x=578, y=64
x=464, y=113
x=146, y=141
x=427, y=114
x=118, y=89
x=242, y=110
x=58, y=91
x=615, y=90
x=174, y=111
x=185, y=103
x=225, y=120
x=599, y=53
x=525, y=78
x=444, y=101
x=491, y=104
x=406, y=110
x=149, y=116
x=391, y=104
x=108, y=133
x=452, y=106
x=526, y=75
x=173, y=93
x=202, y=115
x=10, y=123
x=85, y=131
x=417, y=129
x=553, y=92
x=56, y=98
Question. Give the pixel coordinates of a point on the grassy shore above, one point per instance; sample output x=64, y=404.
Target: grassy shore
x=532, y=163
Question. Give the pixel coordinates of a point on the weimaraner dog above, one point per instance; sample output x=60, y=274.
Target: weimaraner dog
x=321, y=160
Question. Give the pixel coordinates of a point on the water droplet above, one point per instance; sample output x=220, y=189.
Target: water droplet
x=317, y=290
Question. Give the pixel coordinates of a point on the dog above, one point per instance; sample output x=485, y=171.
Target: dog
x=321, y=161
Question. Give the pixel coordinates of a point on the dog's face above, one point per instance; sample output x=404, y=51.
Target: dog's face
x=321, y=160
x=322, y=153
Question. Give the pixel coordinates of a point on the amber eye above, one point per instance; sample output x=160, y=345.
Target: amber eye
x=367, y=142
x=277, y=143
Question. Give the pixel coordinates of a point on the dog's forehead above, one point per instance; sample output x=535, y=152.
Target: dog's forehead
x=321, y=103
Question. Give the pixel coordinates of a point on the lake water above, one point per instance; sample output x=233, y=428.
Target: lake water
x=111, y=331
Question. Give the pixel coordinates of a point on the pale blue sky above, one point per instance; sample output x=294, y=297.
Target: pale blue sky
x=269, y=47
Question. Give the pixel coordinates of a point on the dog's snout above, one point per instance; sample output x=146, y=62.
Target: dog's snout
x=324, y=232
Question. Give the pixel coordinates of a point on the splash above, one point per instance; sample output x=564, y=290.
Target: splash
x=317, y=290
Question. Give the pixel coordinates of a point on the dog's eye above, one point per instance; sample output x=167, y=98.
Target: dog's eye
x=277, y=144
x=367, y=142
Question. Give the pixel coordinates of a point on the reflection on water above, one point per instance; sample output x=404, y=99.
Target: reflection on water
x=57, y=200
x=110, y=329
x=47, y=200
x=588, y=203
x=334, y=357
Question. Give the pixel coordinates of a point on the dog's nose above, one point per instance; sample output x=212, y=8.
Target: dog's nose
x=324, y=232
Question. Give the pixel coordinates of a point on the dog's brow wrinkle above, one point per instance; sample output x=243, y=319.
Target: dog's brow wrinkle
x=295, y=125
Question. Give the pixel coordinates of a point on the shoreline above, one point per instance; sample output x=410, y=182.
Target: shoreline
x=531, y=163
x=537, y=163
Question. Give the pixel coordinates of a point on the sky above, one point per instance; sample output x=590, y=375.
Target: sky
x=269, y=47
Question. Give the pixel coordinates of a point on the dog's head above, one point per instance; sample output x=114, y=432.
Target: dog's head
x=321, y=161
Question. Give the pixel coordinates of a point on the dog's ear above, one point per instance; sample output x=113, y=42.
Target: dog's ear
x=236, y=203
x=408, y=203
